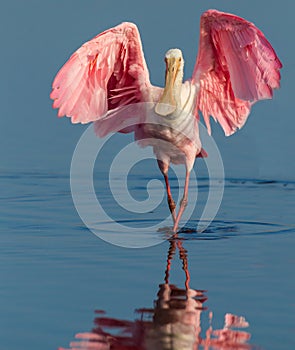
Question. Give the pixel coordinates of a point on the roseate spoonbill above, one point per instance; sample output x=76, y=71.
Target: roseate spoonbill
x=236, y=66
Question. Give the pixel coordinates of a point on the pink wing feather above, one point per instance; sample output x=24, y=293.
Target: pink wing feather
x=236, y=66
x=106, y=72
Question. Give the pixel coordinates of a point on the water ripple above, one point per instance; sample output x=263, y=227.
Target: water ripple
x=222, y=229
x=218, y=229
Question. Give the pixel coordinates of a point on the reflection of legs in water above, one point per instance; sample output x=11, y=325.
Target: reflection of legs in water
x=171, y=253
x=183, y=257
x=176, y=243
x=174, y=319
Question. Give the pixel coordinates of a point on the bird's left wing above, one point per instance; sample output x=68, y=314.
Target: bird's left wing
x=106, y=72
x=236, y=66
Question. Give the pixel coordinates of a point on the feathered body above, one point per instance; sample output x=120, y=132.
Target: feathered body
x=236, y=66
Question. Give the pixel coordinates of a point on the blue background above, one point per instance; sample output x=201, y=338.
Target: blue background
x=53, y=272
x=37, y=37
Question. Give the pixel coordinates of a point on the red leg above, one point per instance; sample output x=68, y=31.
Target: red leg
x=171, y=202
x=164, y=169
x=183, y=202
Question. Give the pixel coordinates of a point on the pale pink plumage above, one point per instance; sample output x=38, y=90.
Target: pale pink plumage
x=236, y=66
x=176, y=321
x=106, y=72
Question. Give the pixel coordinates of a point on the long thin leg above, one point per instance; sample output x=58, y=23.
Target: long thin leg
x=171, y=202
x=183, y=202
x=164, y=169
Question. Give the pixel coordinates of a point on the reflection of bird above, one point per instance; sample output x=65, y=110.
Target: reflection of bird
x=173, y=323
x=236, y=66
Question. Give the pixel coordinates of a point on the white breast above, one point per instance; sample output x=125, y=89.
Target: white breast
x=175, y=137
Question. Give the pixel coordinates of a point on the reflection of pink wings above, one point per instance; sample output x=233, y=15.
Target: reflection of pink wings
x=89, y=341
x=236, y=66
x=119, y=334
x=106, y=72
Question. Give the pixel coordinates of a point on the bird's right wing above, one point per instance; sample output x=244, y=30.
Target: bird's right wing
x=105, y=73
x=236, y=66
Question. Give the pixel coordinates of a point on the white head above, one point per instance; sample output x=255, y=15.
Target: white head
x=173, y=82
x=174, y=53
x=174, y=64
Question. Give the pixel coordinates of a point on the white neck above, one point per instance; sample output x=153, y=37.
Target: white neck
x=177, y=88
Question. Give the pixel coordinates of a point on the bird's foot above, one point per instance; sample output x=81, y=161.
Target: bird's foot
x=175, y=228
x=183, y=204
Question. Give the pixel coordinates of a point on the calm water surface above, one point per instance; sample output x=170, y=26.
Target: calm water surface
x=58, y=279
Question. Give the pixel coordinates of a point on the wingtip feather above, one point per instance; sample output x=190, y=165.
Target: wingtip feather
x=82, y=87
x=236, y=66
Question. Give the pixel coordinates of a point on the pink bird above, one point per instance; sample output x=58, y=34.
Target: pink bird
x=235, y=67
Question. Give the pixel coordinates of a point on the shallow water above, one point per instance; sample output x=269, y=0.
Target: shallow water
x=55, y=272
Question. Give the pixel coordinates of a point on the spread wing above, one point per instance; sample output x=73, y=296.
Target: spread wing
x=236, y=66
x=106, y=72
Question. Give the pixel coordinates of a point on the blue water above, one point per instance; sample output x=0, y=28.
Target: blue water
x=55, y=272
